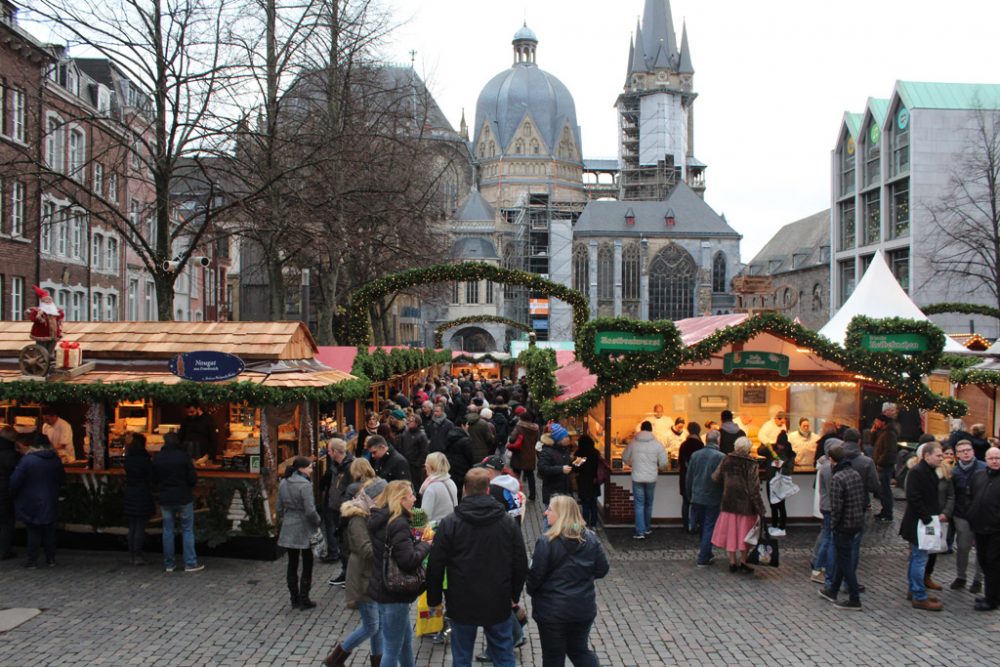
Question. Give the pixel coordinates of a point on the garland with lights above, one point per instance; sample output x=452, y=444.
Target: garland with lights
x=628, y=369
x=359, y=324
x=540, y=371
x=379, y=366
x=475, y=357
x=964, y=308
x=471, y=319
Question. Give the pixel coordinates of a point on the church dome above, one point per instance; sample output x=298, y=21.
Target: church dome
x=526, y=90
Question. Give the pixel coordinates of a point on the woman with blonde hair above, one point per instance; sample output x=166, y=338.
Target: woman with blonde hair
x=741, y=504
x=438, y=493
x=567, y=559
x=361, y=471
x=389, y=528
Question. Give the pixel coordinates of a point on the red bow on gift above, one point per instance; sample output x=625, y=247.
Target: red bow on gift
x=68, y=345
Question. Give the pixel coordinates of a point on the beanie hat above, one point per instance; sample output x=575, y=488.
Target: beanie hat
x=486, y=414
x=520, y=410
x=558, y=433
x=398, y=414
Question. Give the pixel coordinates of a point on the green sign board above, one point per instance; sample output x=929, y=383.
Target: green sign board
x=755, y=361
x=626, y=341
x=906, y=343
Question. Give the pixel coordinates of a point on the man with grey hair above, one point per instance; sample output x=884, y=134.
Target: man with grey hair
x=705, y=494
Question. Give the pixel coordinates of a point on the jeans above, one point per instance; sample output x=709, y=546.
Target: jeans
x=823, y=544
x=528, y=477
x=847, y=567
x=6, y=534
x=186, y=515
x=915, y=572
x=706, y=515
x=569, y=639
x=43, y=535
x=588, y=505
x=516, y=631
x=642, y=493
x=397, y=634
x=885, y=477
x=136, y=533
x=369, y=629
x=831, y=558
x=499, y=643
x=964, y=539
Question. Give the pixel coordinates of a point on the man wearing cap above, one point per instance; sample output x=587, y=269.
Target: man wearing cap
x=886, y=449
x=647, y=457
x=504, y=488
x=389, y=464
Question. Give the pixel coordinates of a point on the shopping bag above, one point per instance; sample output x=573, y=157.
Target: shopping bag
x=317, y=542
x=782, y=487
x=753, y=536
x=430, y=620
x=931, y=537
x=765, y=553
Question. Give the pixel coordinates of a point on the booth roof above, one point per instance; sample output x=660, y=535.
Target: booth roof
x=162, y=340
x=284, y=380
x=341, y=357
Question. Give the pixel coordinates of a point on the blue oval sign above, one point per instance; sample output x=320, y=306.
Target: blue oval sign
x=206, y=366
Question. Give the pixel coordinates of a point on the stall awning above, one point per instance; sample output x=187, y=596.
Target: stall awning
x=574, y=379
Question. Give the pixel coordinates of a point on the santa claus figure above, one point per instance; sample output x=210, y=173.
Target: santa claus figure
x=46, y=319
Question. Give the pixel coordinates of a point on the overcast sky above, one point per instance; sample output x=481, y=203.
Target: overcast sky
x=773, y=77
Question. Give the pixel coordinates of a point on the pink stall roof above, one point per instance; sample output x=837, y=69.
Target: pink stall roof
x=341, y=357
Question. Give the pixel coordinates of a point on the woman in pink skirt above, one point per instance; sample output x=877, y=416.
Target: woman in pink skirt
x=741, y=506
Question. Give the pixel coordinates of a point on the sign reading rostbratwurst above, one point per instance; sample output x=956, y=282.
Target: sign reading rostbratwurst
x=906, y=343
x=626, y=341
x=206, y=366
x=755, y=361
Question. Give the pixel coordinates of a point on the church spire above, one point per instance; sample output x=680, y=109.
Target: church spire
x=638, y=54
x=463, y=127
x=660, y=41
x=685, y=66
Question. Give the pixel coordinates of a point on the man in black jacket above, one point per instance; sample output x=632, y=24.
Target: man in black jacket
x=437, y=429
x=922, y=505
x=458, y=450
x=174, y=471
x=389, y=464
x=984, y=517
x=199, y=433
x=487, y=563
x=8, y=461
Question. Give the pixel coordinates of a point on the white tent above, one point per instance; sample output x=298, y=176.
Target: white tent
x=878, y=295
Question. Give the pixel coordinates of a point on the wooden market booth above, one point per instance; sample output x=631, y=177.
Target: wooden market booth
x=486, y=365
x=753, y=377
x=263, y=417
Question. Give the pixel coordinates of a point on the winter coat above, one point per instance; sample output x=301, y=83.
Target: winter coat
x=688, y=448
x=769, y=455
x=946, y=496
x=984, y=507
x=865, y=467
x=34, y=486
x=437, y=434
x=414, y=446
x=729, y=432
x=392, y=466
x=297, y=509
x=174, y=472
x=561, y=579
x=525, y=458
x=740, y=485
x=701, y=488
x=962, y=480
x=886, y=448
x=646, y=455
x=8, y=461
x=336, y=479
x=202, y=434
x=138, y=494
x=484, y=554
x=408, y=553
x=922, y=499
x=550, y=468
x=586, y=473
x=483, y=441
x=459, y=454
x=847, y=499
x=359, y=563
x=439, y=498
x=383, y=430
x=501, y=423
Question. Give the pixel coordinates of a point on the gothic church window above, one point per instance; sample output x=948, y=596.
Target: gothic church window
x=630, y=272
x=719, y=273
x=671, y=284
x=605, y=273
x=581, y=269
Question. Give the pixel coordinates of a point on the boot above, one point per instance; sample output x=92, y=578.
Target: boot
x=931, y=585
x=376, y=660
x=304, y=587
x=293, y=592
x=338, y=658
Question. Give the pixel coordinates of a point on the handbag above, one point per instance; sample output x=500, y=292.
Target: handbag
x=515, y=445
x=766, y=552
x=753, y=535
x=317, y=543
x=399, y=582
x=603, y=472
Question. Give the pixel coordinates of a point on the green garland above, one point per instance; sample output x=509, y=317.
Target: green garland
x=513, y=324
x=625, y=370
x=180, y=393
x=471, y=358
x=964, y=308
x=540, y=370
x=889, y=363
x=380, y=365
x=359, y=324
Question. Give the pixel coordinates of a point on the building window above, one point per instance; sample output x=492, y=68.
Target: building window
x=847, y=280
x=817, y=298
x=16, y=298
x=77, y=246
x=48, y=219
x=454, y=292
x=671, y=284
x=899, y=262
x=54, y=143
x=847, y=224
x=866, y=261
x=630, y=272
x=110, y=307
x=97, y=252
x=18, y=114
x=150, y=301
x=899, y=138
x=17, y=209
x=96, y=307
x=872, y=232
x=899, y=223
x=113, y=188
x=873, y=153
x=719, y=282
x=848, y=155
x=78, y=306
x=605, y=273
x=133, y=299
x=61, y=233
x=581, y=269
x=77, y=152
x=111, y=259
x=489, y=292
x=99, y=179
x=472, y=291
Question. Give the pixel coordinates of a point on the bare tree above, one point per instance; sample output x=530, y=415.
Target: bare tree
x=966, y=220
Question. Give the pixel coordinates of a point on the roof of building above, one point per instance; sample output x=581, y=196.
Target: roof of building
x=600, y=164
x=795, y=247
x=655, y=45
x=879, y=108
x=853, y=122
x=924, y=95
x=473, y=248
x=692, y=217
x=524, y=32
x=685, y=66
x=475, y=208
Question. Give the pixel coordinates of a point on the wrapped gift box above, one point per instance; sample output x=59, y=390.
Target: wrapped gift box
x=69, y=355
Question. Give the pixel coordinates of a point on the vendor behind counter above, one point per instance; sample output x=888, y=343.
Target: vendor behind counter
x=199, y=433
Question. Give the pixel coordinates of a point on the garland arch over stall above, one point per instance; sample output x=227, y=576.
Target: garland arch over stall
x=472, y=319
x=359, y=327
x=963, y=308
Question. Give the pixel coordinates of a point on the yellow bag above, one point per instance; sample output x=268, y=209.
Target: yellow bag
x=429, y=620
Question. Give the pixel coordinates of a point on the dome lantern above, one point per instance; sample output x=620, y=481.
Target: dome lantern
x=525, y=42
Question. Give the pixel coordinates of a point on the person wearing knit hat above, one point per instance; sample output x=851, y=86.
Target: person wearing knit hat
x=555, y=463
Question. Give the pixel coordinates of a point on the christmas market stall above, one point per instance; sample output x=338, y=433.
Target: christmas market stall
x=482, y=365
x=242, y=396
x=754, y=366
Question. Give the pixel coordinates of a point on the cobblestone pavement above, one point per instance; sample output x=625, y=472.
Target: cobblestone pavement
x=655, y=609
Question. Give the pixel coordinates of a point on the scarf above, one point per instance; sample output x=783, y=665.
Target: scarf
x=438, y=420
x=438, y=477
x=966, y=466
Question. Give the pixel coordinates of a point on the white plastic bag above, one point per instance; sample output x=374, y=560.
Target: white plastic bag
x=782, y=487
x=932, y=537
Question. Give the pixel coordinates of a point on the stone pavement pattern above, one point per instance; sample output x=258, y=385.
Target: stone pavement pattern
x=654, y=609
